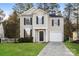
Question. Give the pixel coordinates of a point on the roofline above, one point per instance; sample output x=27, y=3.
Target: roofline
x=56, y=16
x=33, y=12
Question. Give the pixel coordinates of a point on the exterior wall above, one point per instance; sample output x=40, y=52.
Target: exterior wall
x=56, y=29
x=46, y=27
x=40, y=26
x=22, y=26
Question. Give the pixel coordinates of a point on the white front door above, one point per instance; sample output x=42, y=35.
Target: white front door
x=56, y=37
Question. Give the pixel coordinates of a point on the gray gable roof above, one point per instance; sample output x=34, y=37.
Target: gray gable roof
x=52, y=15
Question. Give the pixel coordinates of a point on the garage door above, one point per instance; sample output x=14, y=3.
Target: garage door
x=56, y=37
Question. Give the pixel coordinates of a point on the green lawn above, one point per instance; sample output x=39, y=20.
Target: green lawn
x=73, y=47
x=21, y=49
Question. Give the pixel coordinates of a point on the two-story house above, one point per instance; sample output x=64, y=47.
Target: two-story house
x=41, y=26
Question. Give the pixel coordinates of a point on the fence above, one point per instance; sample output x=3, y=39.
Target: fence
x=9, y=40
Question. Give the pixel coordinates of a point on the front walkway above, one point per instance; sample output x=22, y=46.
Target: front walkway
x=55, y=49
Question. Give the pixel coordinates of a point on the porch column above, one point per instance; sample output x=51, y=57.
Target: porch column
x=33, y=35
x=22, y=27
x=46, y=36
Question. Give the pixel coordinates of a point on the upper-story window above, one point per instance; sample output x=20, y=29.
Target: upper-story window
x=27, y=21
x=58, y=22
x=39, y=19
x=52, y=22
x=55, y=22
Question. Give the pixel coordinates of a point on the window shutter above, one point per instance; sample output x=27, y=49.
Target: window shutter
x=24, y=21
x=36, y=19
x=58, y=22
x=42, y=19
x=52, y=22
x=25, y=34
x=31, y=21
x=31, y=33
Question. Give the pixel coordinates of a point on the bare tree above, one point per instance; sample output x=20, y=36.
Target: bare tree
x=67, y=14
x=21, y=7
x=76, y=15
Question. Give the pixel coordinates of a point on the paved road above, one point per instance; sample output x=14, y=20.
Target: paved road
x=55, y=49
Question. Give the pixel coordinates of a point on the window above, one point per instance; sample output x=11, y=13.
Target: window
x=36, y=19
x=42, y=19
x=52, y=22
x=26, y=33
x=58, y=22
x=39, y=19
x=27, y=21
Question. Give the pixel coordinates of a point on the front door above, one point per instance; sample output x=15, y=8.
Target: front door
x=41, y=36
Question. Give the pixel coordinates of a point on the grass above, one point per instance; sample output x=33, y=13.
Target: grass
x=73, y=47
x=21, y=49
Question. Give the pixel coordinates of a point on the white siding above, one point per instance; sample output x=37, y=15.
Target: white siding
x=51, y=33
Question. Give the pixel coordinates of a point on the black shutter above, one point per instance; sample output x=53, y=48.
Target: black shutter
x=24, y=33
x=42, y=19
x=24, y=21
x=52, y=22
x=36, y=19
x=31, y=21
x=31, y=33
x=58, y=22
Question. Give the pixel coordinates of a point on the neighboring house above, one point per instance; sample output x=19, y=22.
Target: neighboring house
x=1, y=27
x=41, y=26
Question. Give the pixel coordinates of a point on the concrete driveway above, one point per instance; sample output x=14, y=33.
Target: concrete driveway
x=55, y=49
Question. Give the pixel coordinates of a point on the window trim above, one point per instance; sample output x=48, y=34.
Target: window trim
x=28, y=21
x=26, y=35
x=39, y=21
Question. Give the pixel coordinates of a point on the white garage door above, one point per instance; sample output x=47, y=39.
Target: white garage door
x=56, y=37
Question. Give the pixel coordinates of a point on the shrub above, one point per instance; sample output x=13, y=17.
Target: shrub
x=66, y=38
x=76, y=41
x=24, y=40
